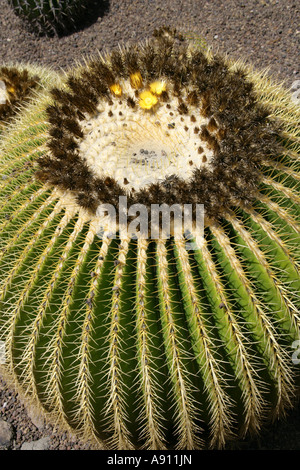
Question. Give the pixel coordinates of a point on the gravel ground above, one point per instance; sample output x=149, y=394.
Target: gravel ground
x=26, y=427
x=265, y=33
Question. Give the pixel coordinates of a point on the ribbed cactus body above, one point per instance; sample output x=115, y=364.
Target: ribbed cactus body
x=49, y=16
x=147, y=343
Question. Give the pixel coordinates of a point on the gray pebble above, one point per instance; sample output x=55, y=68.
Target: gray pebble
x=6, y=434
x=40, y=444
x=295, y=89
x=36, y=418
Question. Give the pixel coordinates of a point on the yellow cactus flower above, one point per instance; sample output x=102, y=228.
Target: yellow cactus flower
x=158, y=87
x=147, y=100
x=116, y=89
x=136, y=80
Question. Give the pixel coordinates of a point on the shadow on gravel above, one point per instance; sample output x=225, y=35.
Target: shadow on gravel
x=95, y=9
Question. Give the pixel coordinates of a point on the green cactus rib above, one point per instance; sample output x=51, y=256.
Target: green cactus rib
x=147, y=344
x=49, y=16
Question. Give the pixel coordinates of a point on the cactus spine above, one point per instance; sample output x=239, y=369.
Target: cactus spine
x=49, y=16
x=145, y=343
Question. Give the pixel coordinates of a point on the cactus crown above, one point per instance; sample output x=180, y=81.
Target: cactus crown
x=16, y=87
x=159, y=124
x=142, y=343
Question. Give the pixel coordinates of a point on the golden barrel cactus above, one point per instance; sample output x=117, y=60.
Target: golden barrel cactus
x=18, y=84
x=181, y=340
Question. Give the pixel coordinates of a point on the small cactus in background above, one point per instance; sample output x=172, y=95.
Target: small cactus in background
x=142, y=343
x=50, y=17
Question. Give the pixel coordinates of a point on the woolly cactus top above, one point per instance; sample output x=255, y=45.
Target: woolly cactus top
x=160, y=124
x=16, y=86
